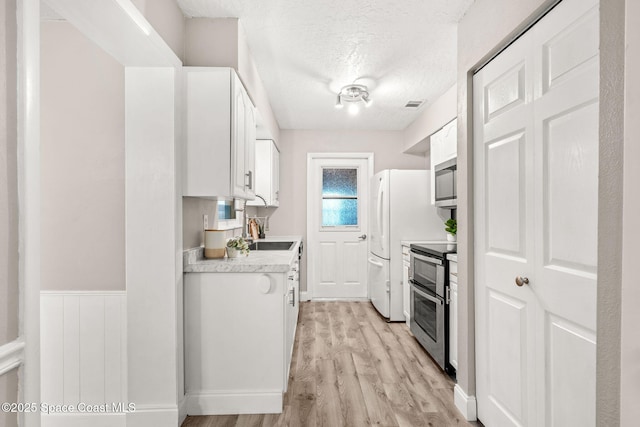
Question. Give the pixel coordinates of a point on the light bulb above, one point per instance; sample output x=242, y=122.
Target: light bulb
x=353, y=109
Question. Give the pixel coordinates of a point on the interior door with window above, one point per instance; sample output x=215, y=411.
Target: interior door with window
x=337, y=197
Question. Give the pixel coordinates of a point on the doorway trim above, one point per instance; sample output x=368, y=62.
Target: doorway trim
x=308, y=295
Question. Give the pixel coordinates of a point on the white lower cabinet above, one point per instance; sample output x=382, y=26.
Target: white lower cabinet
x=406, y=285
x=239, y=334
x=453, y=314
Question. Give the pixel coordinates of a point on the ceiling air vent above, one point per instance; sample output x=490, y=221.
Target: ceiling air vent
x=413, y=104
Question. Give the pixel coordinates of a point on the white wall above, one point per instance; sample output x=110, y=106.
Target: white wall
x=82, y=128
x=432, y=119
x=480, y=34
x=291, y=217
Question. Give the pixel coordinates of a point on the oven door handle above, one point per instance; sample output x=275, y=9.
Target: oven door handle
x=428, y=259
x=427, y=296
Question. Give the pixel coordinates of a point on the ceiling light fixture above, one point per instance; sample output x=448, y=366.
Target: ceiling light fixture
x=353, y=94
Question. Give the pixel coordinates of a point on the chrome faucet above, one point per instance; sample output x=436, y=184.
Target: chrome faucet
x=266, y=217
x=245, y=235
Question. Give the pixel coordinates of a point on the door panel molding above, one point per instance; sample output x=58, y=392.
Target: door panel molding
x=536, y=348
x=330, y=280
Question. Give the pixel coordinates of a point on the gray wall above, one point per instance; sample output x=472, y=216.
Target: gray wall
x=9, y=393
x=8, y=176
x=291, y=217
x=193, y=209
x=8, y=201
x=610, y=206
x=167, y=19
x=82, y=137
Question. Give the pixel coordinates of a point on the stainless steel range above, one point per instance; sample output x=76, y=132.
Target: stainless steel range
x=429, y=321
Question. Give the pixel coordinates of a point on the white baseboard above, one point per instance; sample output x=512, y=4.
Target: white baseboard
x=236, y=403
x=152, y=416
x=182, y=410
x=83, y=420
x=465, y=404
x=304, y=296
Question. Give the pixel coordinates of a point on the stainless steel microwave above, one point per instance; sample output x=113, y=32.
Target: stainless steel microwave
x=445, y=184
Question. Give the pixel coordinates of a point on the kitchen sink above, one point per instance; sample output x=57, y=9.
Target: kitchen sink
x=271, y=246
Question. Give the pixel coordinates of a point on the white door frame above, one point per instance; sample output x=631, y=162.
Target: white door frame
x=310, y=158
x=26, y=348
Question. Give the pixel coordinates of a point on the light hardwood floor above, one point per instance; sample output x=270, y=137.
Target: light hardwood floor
x=351, y=368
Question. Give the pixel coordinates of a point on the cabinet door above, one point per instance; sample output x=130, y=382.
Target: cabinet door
x=275, y=175
x=208, y=131
x=291, y=304
x=453, y=322
x=449, y=141
x=238, y=141
x=250, y=148
x=406, y=303
x=435, y=148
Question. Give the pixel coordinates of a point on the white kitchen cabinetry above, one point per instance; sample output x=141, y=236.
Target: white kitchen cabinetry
x=239, y=334
x=292, y=308
x=267, y=173
x=453, y=314
x=220, y=133
x=444, y=146
x=406, y=285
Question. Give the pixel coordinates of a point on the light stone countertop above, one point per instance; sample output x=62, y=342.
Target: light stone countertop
x=255, y=262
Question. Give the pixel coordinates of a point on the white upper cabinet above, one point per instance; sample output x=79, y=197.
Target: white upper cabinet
x=267, y=173
x=220, y=129
x=444, y=146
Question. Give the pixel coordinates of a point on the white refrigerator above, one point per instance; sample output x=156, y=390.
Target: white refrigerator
x=400, y=209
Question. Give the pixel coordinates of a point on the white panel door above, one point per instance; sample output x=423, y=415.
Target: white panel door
x=536, y=166
x=337, y=224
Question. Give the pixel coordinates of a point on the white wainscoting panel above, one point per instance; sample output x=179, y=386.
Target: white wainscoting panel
x=83, y=347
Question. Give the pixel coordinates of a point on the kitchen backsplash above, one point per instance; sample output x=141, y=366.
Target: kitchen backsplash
x=193, y=209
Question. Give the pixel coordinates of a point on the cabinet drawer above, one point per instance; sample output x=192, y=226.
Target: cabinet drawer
x=453, y=267
x=405, y=253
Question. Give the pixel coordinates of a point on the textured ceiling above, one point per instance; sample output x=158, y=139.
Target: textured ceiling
x=305, y=51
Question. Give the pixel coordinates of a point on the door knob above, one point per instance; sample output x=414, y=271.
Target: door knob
x=363, y=237
x=522, y=280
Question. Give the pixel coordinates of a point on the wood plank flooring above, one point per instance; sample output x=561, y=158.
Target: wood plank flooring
x=351, y=368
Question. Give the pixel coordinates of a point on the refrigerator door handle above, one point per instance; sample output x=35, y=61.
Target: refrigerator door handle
x=376, y=263
x=380, y=205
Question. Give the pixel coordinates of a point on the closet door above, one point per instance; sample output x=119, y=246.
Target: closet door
x=536, y=166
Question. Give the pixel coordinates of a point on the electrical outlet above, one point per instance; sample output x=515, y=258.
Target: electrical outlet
x=205, y=221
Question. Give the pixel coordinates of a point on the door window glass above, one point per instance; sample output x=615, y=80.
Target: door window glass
x=339, y=197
